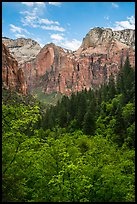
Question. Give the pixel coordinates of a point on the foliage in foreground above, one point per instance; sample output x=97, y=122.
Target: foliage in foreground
x=76, y=153
x=56, y=166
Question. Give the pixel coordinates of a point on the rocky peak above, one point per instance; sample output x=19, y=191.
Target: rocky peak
x=20, y=42
x=22, y=49
x=55, y=47
x=105, y=36
x=126, y=36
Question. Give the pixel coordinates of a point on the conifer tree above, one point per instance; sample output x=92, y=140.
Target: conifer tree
x=111, y=87
x=89, y=119
x=126, y=81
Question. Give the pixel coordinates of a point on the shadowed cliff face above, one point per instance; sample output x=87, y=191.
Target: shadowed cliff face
x=102, y=53
x=12, y=77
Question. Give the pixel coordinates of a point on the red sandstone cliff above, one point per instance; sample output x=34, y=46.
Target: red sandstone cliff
x=102, y=52
x=55, y=70
x=12, y=77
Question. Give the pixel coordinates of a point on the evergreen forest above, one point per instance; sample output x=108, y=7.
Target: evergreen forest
x=80, y=150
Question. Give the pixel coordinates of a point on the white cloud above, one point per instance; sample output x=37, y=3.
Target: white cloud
x=114, y=5
x=55, y=3
x=37, y=39
x=59, y=40
x=52, y=27
x=131, y=20
x=35, y=22
x=71, y=44
x=106, y=17
x=57, y=37
x=26, y=12
x=46, y=21
x=30, y=17
x=15, y=29
x=128, y=24
x=30, y=4
x=40, y=3
x=19, y=35
x=30, y=21
x=68, y=44
x=34, y=12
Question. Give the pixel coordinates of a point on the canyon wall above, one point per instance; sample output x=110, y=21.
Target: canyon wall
x=102, y=53
x=12, y=77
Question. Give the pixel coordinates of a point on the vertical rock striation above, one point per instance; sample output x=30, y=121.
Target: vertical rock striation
x=12, y=78
x=101, y=54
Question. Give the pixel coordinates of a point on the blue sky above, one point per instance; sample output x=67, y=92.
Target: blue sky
x=64, y=23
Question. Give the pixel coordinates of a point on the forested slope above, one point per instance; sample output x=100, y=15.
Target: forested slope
x=81, y=150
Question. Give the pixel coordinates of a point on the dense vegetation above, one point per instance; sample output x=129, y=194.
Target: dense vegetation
x=81, y=150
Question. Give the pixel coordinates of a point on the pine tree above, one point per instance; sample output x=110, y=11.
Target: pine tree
x=111, y=87
x=81, y=108
x=89, y=119
x=126, y=81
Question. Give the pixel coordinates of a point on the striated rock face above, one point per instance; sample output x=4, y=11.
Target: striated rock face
x=125, y=36
x=101, y=54
x=104, y=36
x=12, y=78
x=22, y=49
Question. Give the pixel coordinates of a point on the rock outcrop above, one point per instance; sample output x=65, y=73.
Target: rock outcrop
x=12, y=77
x=101, y=54
x=22, y=49
x=103, y=37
